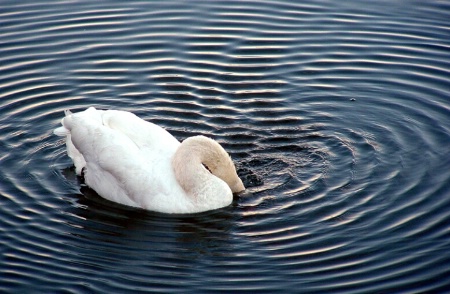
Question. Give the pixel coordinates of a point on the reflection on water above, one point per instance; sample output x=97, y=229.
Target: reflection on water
x=335, y=113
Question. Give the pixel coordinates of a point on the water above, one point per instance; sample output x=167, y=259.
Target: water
x=335, y=112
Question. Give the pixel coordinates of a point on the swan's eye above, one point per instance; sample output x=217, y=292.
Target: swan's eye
x=207, y=168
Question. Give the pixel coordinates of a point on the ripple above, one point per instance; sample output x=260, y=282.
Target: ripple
x=336, y=115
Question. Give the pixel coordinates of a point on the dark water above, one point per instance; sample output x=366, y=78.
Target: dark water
x=337, y=114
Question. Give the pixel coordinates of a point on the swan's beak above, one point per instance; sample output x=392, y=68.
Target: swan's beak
x=238, y=186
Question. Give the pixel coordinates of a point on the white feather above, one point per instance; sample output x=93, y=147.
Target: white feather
x=131, y=161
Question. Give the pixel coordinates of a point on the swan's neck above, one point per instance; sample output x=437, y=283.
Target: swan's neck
x=204, y=169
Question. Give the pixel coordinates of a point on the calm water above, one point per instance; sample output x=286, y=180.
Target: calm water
x=337, y=114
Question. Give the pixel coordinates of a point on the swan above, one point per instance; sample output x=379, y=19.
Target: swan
x=137, y=163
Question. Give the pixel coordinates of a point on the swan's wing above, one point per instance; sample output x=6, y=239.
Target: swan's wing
x=115, y=167
x=144, y=134
x=126, y=158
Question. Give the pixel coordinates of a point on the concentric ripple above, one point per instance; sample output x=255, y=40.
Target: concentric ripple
x=336, y=113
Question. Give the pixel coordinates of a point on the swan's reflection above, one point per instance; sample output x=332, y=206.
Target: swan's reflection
x=119, y=233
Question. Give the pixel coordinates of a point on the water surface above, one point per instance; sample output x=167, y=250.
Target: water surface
x=337, y=114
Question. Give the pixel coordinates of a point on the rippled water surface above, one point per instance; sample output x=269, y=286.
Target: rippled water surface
x=337, y=114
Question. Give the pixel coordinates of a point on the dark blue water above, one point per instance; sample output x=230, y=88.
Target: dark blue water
x=337, y=114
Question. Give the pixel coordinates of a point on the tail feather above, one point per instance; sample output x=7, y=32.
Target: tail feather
x=62, y=131
x=72, y=151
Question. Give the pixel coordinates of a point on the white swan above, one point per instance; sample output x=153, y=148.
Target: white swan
x=133, y=162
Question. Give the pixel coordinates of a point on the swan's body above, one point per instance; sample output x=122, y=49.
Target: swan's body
x=133, y=162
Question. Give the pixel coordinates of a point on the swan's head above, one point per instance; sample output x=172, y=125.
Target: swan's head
x=228, y=175
x=216, y=160
x=237, y=186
